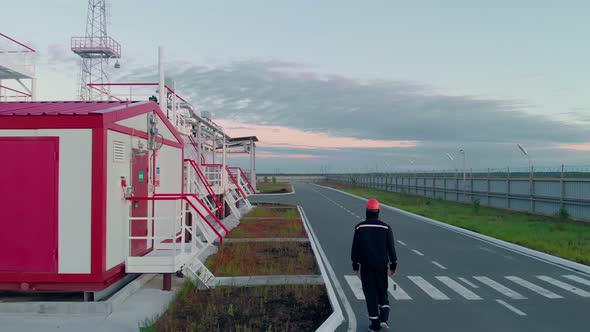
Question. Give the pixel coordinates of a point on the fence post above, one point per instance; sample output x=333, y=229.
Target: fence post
x=532, y=189
x=562, y=186
x=471, y=183
x=488, y=191
x=508, y=187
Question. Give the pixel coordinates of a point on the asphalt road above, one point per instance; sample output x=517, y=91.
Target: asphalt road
x=450, y=282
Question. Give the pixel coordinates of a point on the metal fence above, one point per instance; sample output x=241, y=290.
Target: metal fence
x=547, y=195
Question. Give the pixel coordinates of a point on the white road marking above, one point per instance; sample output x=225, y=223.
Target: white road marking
x=397, y=293
x=460, y=289
x=513, y=309
x=500, y=288
x=439, y=265
x=468, y=282
x=402, y=243
x=578, y=279
x=565, y=286
x=328, y=266
x=417, y=252
x=534, y=288
x=428, y=288
x=355, y=284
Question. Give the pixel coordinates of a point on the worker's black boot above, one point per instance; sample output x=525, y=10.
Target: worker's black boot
x=375, y=325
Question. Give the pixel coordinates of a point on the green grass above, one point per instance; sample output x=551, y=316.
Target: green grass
x=273, y=212
x=554, y=235
x=269, y=228
x=263, y=258
x=269, y=187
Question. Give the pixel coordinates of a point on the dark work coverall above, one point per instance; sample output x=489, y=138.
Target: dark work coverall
x=373, y=249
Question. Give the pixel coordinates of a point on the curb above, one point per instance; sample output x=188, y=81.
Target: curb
x=541, y=256
x=270, y=239
x=278, y=194
x=269, y=280
x=336, y=318
x=102, y=308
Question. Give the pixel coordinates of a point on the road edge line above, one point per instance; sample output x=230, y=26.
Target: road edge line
x=337, y=317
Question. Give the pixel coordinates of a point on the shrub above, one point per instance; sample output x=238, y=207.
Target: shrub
x=476, y=206
x=563, y=213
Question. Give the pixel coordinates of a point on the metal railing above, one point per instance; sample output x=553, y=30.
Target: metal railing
x=96, y=44
x=540, y=195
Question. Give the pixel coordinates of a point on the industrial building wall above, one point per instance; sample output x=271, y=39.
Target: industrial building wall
x=75, y=186
x=117, y=206
x=140, y=122
x=169, y=161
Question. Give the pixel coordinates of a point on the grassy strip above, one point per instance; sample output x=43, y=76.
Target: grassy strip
x=252, y=228
x=265, y=258
x=263, y=308
x=554, y=235
x=263, y=212
x=273, y=188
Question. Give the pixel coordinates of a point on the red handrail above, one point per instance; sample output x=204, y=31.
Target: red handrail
x=245, y=177
x=206, y=183
x=201, y=203
x=163, y=197
x=236, y=182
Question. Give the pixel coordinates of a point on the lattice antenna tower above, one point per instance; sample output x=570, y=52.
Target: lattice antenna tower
x=96, y=50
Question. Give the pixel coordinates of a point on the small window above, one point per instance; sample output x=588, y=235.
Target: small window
x=118, y=151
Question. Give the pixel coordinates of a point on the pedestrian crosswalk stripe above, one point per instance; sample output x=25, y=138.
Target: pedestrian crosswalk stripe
x=428, y=288
x=533, y=287
x=355, y=284
x=513, y=309
x=565, y=286
x=500, y=288
x=578, y=279
x=460, y=289
x=468, y=282
x=397, y=292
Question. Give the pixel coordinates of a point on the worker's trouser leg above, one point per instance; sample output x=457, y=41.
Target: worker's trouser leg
x=374, y=282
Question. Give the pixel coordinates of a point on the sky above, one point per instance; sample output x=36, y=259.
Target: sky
x=349, y=85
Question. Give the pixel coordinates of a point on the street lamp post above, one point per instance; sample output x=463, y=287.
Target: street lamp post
x=453, y=162
x=525, y=152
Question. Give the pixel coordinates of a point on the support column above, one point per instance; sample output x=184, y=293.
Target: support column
x=253, y=164
x=199, y=143
x=162, y=84
x=34, y=89
x=167, y=282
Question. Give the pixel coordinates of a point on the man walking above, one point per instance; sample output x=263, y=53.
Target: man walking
x=372, y=250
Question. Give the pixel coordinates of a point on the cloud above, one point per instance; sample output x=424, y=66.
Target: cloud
x=380, y=110
x=271, y=155
x=576, y=147
x=280, y=136
x=293, y=109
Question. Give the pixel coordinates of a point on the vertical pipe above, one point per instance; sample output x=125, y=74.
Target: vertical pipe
x=214, y=144
x=174, y=119
x=162, y=84
x=199, y=143
x=34, y=89
x=252, y=173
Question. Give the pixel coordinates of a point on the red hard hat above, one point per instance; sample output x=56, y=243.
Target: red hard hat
x=373, y=204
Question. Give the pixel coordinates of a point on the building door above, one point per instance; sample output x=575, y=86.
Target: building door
x=29, y=192
x=139, y=208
